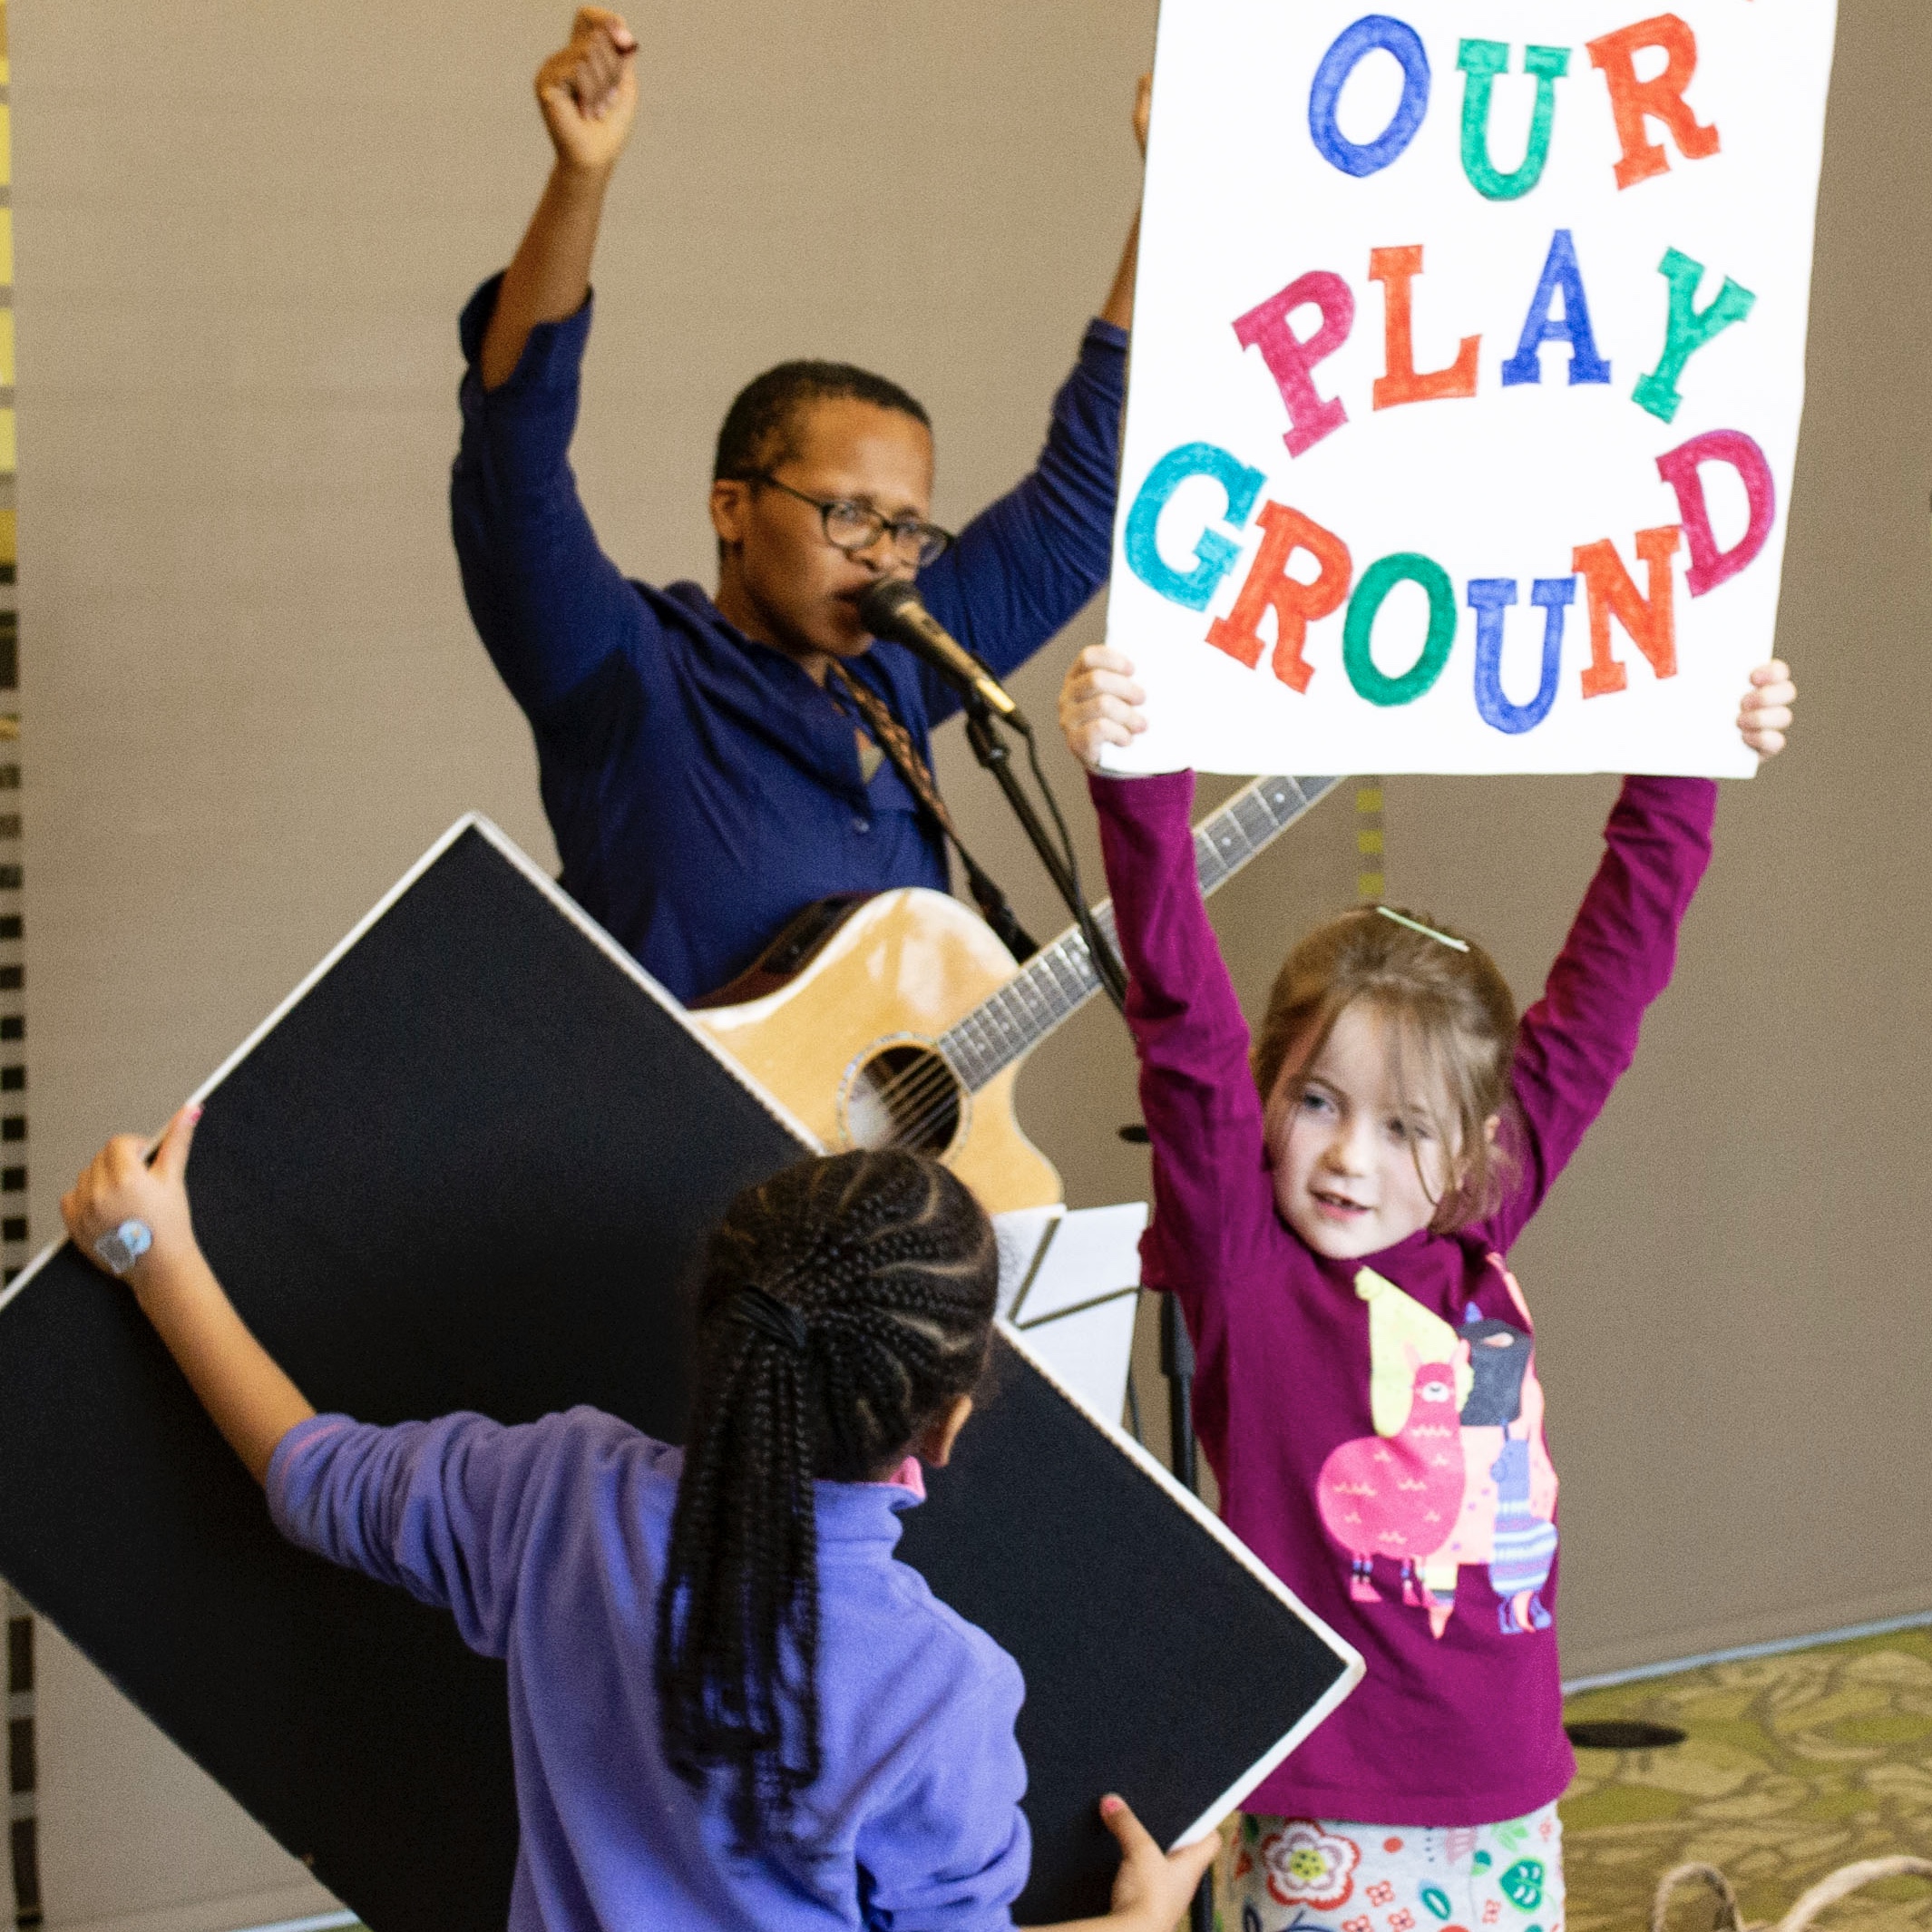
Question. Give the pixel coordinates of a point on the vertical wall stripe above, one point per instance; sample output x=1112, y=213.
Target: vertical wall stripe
x=1372, y=880
x=23, y=1772
x=22, y=1744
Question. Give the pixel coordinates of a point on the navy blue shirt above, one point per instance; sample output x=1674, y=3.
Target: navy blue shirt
x=700, y=786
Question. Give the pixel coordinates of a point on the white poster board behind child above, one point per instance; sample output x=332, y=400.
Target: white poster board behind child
x=1469, y=360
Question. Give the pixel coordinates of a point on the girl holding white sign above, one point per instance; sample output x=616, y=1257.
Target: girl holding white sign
x=1334, y=1203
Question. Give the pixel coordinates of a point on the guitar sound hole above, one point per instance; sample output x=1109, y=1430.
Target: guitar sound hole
x=904, y=1096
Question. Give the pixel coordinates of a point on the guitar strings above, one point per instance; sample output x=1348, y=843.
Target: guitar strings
x=931, y=1068
x=934, y=1079
x=933, y=1084
x=941, y=1094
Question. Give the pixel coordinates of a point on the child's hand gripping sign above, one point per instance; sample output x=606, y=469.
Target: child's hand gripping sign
x=1469, y=357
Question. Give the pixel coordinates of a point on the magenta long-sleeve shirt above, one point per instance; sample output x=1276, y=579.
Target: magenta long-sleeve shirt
x=1314, y=1398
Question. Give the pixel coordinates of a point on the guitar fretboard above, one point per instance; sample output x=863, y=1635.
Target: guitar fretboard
x=1060, y=978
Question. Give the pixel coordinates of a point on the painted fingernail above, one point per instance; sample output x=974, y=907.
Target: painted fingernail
x=194, y=1112
x=1109, y=1805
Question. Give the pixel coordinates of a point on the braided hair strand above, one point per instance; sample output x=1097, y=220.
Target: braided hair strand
x=847, y=1303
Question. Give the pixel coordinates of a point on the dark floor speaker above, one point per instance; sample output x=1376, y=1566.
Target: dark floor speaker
x=1622, y=1733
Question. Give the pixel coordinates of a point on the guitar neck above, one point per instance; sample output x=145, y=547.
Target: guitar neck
x=1060, y=978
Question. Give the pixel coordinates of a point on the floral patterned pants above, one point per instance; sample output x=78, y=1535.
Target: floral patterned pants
x=1316, y=1875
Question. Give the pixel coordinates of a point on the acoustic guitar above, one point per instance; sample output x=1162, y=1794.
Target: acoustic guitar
x=901, y=1020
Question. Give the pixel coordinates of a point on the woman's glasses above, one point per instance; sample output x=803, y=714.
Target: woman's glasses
x=854, y=528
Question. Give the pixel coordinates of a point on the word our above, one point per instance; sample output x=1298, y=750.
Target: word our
x=1636, y=103
x=1647, y=615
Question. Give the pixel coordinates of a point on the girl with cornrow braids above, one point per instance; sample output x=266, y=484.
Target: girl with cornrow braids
x=730, y=1704
x=847, y=1310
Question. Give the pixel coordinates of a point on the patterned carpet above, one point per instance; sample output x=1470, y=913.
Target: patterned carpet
x=1793, y=1766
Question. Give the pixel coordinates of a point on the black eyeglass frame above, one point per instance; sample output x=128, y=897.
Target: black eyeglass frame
x=934, y=540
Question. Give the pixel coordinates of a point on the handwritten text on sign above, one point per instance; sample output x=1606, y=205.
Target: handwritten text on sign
x=1468, y=367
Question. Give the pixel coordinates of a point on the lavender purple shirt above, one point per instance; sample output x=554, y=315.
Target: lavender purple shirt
x=1462, y=1726
x=547, y=1542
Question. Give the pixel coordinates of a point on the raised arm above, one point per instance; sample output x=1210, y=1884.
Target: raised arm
x=1211, y=1187
x=1576, y=1043
x=432, y=1507
x=1119, y=310
x=443, y=1509
x=551, y=608
x=252, y=1402
x=588, y=92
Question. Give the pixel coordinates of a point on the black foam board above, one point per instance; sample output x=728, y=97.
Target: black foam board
x=471, y=1165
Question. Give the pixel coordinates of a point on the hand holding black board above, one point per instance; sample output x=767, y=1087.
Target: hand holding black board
x=470, y=1164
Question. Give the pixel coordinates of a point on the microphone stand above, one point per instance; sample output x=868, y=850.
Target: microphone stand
x=995, y=757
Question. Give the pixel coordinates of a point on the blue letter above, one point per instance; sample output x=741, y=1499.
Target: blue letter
x=1213, y=554
x=1559, y=272
x=1489, y=597
x=1363, y=39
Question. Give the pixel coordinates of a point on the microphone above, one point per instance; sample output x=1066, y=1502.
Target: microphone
x=891, y=608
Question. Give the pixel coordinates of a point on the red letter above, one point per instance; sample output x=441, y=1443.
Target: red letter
x=1708, y=565
x=1633, y=101
x=1396, y=269
x=1291, y=361
x=1650, y=621
x=1296, y=604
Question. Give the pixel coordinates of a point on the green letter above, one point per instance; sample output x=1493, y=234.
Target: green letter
x=1482, y=61
x=1358, y=635
x=1690, y=330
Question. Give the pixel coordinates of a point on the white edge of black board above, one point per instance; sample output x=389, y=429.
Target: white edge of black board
x=560, y=899
x=1353, y=1670
x=1354, y=1667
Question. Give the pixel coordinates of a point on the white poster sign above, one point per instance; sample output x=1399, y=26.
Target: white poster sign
x=1468, y=359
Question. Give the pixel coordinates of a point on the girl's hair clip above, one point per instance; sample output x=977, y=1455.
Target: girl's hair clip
x=1416, y=925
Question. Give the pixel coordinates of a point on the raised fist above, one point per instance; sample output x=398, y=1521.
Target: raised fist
x=589, y=90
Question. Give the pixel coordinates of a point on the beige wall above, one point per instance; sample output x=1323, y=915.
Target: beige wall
x=253, y=693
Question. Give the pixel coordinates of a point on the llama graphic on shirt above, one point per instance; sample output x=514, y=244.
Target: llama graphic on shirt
x=1456, y=1471
x=1400, y=1495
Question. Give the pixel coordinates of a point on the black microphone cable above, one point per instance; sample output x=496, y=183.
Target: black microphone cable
x=1108, y=967
x=1107, y=960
